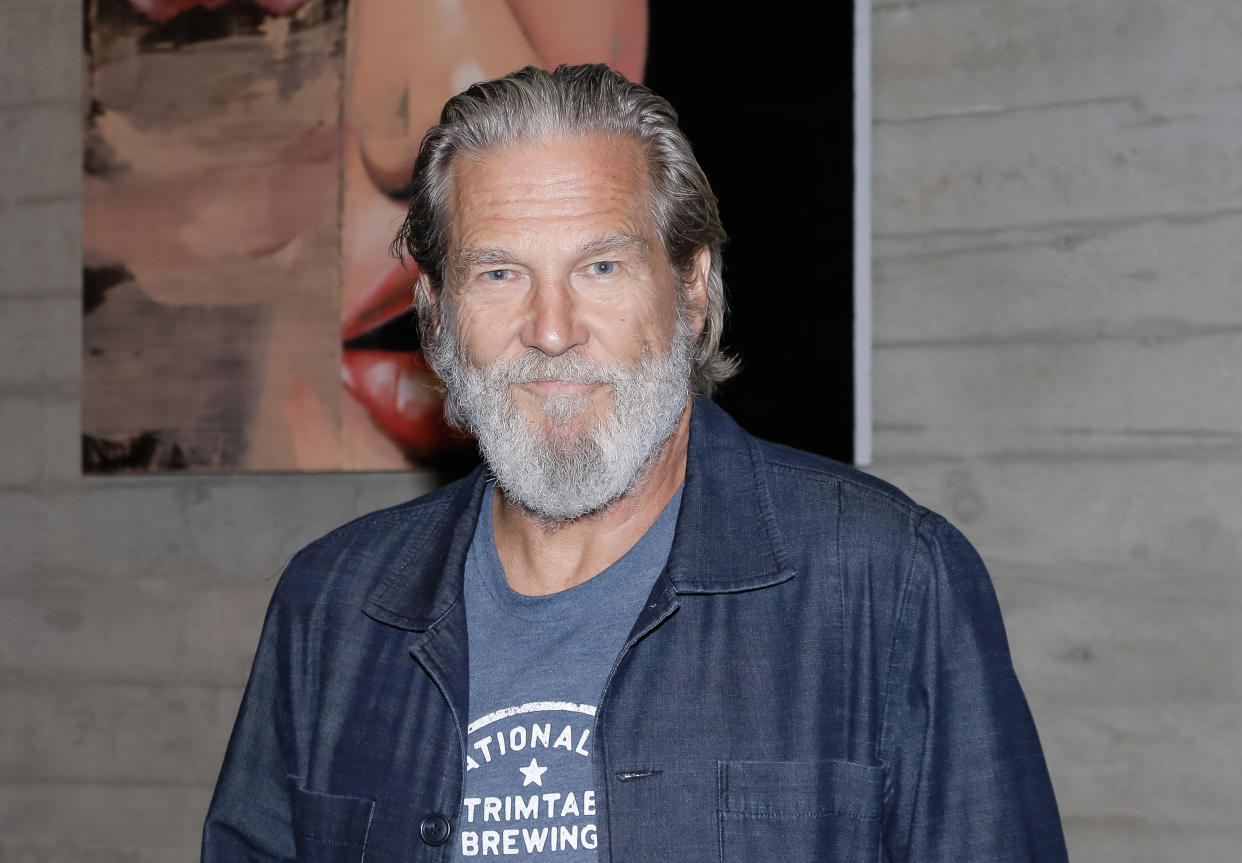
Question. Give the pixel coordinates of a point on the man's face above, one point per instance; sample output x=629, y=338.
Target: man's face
x=565, y=351
x=556, y=253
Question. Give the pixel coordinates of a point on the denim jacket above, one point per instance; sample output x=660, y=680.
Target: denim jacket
x=820, y=673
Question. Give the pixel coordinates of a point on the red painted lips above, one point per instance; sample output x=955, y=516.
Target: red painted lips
x=384, y=370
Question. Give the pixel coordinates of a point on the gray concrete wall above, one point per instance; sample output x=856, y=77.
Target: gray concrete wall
x=1058, y=308
x=129, y=608
x=1058, y=367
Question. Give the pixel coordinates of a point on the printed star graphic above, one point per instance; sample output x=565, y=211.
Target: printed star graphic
x=533, y=773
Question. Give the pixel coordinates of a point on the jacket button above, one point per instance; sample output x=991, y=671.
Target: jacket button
x=435, y=829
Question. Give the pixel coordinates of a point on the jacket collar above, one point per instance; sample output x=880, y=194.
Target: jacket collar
x=726, y=539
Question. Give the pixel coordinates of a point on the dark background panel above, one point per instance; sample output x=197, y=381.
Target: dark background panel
x=766, y=98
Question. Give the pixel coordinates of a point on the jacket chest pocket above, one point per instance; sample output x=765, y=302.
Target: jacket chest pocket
x=792, y=810
x=330, y=828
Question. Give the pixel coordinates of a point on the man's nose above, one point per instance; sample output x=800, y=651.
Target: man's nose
x=554, y=323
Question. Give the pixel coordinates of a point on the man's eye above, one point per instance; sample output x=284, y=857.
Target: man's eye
x=603, y=268
x=497, y=275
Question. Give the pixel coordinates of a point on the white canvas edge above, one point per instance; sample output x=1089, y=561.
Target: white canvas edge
x=862, y=233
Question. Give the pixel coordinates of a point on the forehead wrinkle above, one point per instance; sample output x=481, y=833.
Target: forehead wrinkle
x=634, y=231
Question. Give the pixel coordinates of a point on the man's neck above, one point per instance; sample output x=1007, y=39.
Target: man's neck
x=541, y=558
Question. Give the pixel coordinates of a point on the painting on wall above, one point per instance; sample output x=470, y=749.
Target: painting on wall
x=244, y=169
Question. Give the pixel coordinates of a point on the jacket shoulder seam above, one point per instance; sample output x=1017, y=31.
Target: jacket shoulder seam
x=895, y=499
x=920, y=545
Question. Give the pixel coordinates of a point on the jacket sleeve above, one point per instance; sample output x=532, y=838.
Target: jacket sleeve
x=251, y=813
x=966, y=778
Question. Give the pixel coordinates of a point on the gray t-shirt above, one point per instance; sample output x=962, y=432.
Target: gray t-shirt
x=538, y=665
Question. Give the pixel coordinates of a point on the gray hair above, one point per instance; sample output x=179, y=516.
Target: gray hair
x=533, y=104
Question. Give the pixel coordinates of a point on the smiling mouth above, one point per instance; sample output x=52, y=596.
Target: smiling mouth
x=383, y=367
x=551, y=387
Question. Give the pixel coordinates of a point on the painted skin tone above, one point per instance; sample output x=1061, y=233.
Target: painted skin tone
x=265, y=202
x=404, y=59
x=554, y=250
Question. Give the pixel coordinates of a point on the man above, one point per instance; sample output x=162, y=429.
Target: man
x=640, y=634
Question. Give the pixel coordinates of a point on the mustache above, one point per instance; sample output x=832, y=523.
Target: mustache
x=534, y=365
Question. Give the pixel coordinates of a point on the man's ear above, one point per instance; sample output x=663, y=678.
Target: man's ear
x=695, y=290
x=424, y=303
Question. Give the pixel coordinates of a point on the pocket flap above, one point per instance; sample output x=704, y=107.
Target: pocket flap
x=333, y=818
x=801, y=788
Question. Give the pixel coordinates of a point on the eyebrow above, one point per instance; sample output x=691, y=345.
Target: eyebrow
x=613, y=243
x=472, y=257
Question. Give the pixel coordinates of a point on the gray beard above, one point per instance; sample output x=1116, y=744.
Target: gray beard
x=549, y=468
